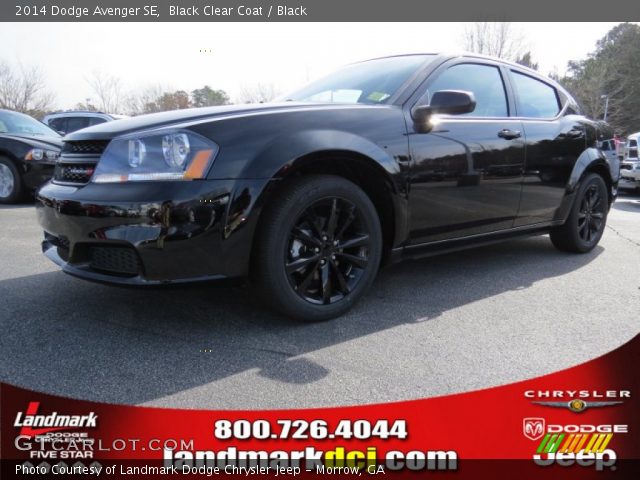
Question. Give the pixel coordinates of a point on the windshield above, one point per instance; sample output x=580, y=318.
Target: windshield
x=371, y=82
x=21, y=124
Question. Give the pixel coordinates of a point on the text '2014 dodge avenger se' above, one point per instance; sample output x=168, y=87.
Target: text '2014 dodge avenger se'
x=385, y=159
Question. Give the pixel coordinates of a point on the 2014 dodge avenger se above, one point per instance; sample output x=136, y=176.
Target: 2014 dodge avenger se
x=386, y=159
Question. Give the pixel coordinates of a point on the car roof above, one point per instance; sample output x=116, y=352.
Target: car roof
x=454, y=54
x=450, y=55
x=80, y=113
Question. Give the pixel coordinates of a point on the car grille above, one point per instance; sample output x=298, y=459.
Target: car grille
x=118, y=260
x=91, y=147
x=77, y=173
x=625, y=166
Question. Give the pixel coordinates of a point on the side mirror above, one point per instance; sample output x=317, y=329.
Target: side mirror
x=448, y=102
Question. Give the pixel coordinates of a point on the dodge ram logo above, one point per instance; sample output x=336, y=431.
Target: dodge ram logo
x=533, y=428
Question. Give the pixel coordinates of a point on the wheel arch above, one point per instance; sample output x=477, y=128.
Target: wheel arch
x=8, y=154
x=360, y=169
x=592, y=161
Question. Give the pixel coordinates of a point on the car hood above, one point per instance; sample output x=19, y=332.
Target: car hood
x=109, y=130
x=36, y=141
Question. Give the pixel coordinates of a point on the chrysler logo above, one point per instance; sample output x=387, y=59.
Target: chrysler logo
x=577, y=405
x=533, y=428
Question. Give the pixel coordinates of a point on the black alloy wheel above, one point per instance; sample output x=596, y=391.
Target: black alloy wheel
x=318, y=248
x=591, y=214
x=586, y=222
x=328, y=251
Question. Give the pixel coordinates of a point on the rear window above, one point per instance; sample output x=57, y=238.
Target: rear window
x=536, y=99
x=76, y=123
x=96, y=120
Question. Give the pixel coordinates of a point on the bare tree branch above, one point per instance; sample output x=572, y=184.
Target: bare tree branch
x=108, y=90
x=24, y=90
x=145, y=100
x=257, y=93
x=497, y=39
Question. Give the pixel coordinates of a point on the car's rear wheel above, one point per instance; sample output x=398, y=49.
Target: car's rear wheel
x=318, y=249
x=10, y=182
x=586, y=222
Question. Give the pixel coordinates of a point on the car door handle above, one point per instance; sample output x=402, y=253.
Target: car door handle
x=508, y=134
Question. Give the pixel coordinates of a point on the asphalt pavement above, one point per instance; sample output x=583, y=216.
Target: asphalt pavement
x=454, y=323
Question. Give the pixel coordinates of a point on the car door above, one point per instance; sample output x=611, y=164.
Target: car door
x=466, y=171
x=555, y=137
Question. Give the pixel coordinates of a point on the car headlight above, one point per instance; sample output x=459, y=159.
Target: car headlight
x=158, y=155
x=38, y=154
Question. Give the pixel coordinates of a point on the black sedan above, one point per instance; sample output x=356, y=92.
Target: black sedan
x=28, y=152
x=391, y=158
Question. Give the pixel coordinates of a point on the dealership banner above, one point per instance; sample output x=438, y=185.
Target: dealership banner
x=311, y=11
x=580, y=423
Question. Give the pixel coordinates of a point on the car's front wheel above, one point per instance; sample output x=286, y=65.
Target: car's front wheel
x=10, y=182
x=586, y=222
x=318, y=249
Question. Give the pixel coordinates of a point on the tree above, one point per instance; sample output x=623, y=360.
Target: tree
x=177, y=100
x=157, y=99
x=24, y=90
x=610, y=72
x=497, y=39
x=144, y=100
x=526, y=60
x=206, y=97
x=588, y=81
x=108, y=89
x=257, y=93
x=87, y=106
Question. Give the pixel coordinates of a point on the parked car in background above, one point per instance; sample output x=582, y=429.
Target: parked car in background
x=629, y=176
x=72, y=120
x=608, y=147
x=620, y=148
x=392, y=158
x=630, y=165
x=28, y=151
x=631, y=147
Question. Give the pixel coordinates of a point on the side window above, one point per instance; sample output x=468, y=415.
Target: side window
x=536, y=99
x=484, y=81
x=96, y=121
x=76, y=123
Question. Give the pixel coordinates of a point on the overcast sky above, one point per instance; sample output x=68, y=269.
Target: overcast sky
x=236, y=54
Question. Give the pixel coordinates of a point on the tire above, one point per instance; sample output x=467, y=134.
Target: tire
x=10, y=182
x=586, y=222
x=308, y=266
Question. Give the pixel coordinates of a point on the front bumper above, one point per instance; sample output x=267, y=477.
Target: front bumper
x=36, y=173
x=150, y=233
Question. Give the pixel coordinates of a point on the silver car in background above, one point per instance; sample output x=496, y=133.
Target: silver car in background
x=72, y=120
x=630, y=166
